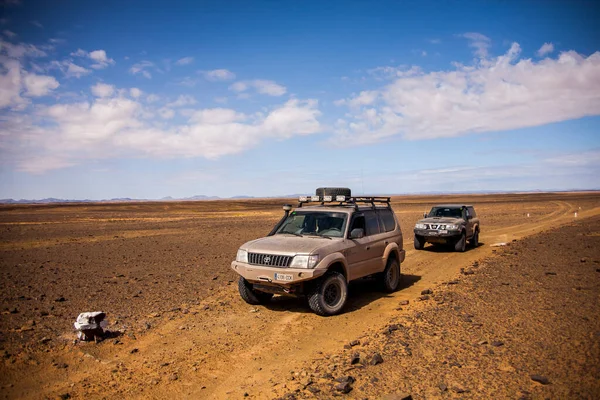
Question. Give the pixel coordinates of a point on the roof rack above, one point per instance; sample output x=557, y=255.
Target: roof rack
x=345, y=201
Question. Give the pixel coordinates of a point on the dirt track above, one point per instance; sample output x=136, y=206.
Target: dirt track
x=194, y=336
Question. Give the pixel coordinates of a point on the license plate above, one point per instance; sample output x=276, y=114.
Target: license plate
x=444, y=231
x=283, y=277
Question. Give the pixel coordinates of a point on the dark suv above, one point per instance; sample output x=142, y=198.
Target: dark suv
x=450, y=224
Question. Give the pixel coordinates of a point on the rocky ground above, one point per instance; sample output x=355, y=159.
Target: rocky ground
x=180, y=330
x=522, y=323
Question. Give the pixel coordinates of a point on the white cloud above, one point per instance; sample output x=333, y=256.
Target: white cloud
x=184, y=61
x=495, y=94
x=99, y=58
x=74, y=70
x=183, y=100
x=166, y=113
x=142, y=69
x=135, y=92
x=218, y=75
x=261, y=86
x=102, y=61
x=9, y=34
x=546, y=48
x=103, y=90
x=15, y=81
x=39, y=85
x=69, y=134
x=479, y=42
x=36, y=23
x=152, y=98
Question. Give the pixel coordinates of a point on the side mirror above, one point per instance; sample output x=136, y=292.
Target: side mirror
x=287, y=207
x=425, y=214
x=357, y=233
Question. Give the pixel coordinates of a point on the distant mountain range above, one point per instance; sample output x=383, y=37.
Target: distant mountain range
x=202, y=197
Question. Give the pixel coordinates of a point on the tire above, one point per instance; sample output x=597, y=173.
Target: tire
x=330, y=191
x=329, y=294
x=474, y=242
x=250, y=295
x=391, y=277
x=419, y=242
x=461, y=244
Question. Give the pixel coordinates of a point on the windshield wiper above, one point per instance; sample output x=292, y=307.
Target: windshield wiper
x=323, y=236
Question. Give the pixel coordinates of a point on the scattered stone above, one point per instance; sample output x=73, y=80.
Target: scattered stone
x=423, y=298
x=355, y=359
x=61, y=365
x=376, y=359
x=482, y=342
x=344, y=387
x=64, y=396
x=458, y=390
x=346, y=378
x=391, y=328
x=313, y=389
x=164, y=364
x=354, y=343
x=13, y=310
x=540, y=379
x=173, y=377
x=397, y=396
x=374, y=379
x=583, y=259
x=45, y=340
x=133, y=351
x=88, y=325
x=550, y=273
x=455, y=282
x=404, y=303
x=60, y=299
x=154, y=315
x=468, y=272
x=426, y=291
x=443, y=387
x=497, y=343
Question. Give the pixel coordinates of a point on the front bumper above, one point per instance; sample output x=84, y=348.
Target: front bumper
x=437, y=236
x=267, y=275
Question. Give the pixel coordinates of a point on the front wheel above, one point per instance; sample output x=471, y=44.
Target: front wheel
x=475, y=239
x=250, y=295
x=419, y=242
x=461, y=244
x=390, y=278
x=329, y=294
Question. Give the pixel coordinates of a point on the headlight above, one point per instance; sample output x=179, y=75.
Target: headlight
x=304, y=261
x=420, y=226
x=242, y=256
x=452, y=227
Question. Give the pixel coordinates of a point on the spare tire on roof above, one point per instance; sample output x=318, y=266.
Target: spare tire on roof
x=332, y=191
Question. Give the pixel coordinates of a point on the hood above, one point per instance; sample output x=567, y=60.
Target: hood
x=288, y=244
x=441, y=220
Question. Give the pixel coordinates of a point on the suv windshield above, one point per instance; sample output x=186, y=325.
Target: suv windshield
x=445, y=212
x=320, y=223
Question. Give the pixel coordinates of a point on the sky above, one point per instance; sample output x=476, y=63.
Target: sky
x=112, y=99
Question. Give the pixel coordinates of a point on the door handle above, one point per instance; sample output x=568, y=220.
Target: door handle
x=368, y=247
x=387, y=242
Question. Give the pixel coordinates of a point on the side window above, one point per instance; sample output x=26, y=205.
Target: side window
x=358, y=222
x=372, y=223
x=466, y=213
x=387, y=218
x=472, y=212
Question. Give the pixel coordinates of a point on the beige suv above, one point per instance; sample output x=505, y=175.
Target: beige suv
x=316, y=250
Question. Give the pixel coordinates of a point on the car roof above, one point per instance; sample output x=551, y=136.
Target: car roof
x=453, y=205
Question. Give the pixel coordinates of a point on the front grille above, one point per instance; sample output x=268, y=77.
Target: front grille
x=271, y=260
x=435, y=226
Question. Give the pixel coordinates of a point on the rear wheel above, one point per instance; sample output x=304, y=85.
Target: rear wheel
x=329, y=294
x=461, y=244
x=390, y=277
x=419, y=242
x=475, y=239
x=250, y=295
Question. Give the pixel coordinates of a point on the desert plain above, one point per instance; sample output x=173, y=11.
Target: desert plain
x=512, y=321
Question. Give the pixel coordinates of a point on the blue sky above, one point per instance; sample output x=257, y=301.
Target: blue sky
x=134, y=99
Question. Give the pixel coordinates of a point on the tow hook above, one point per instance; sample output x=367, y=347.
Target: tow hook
x=265, y=279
